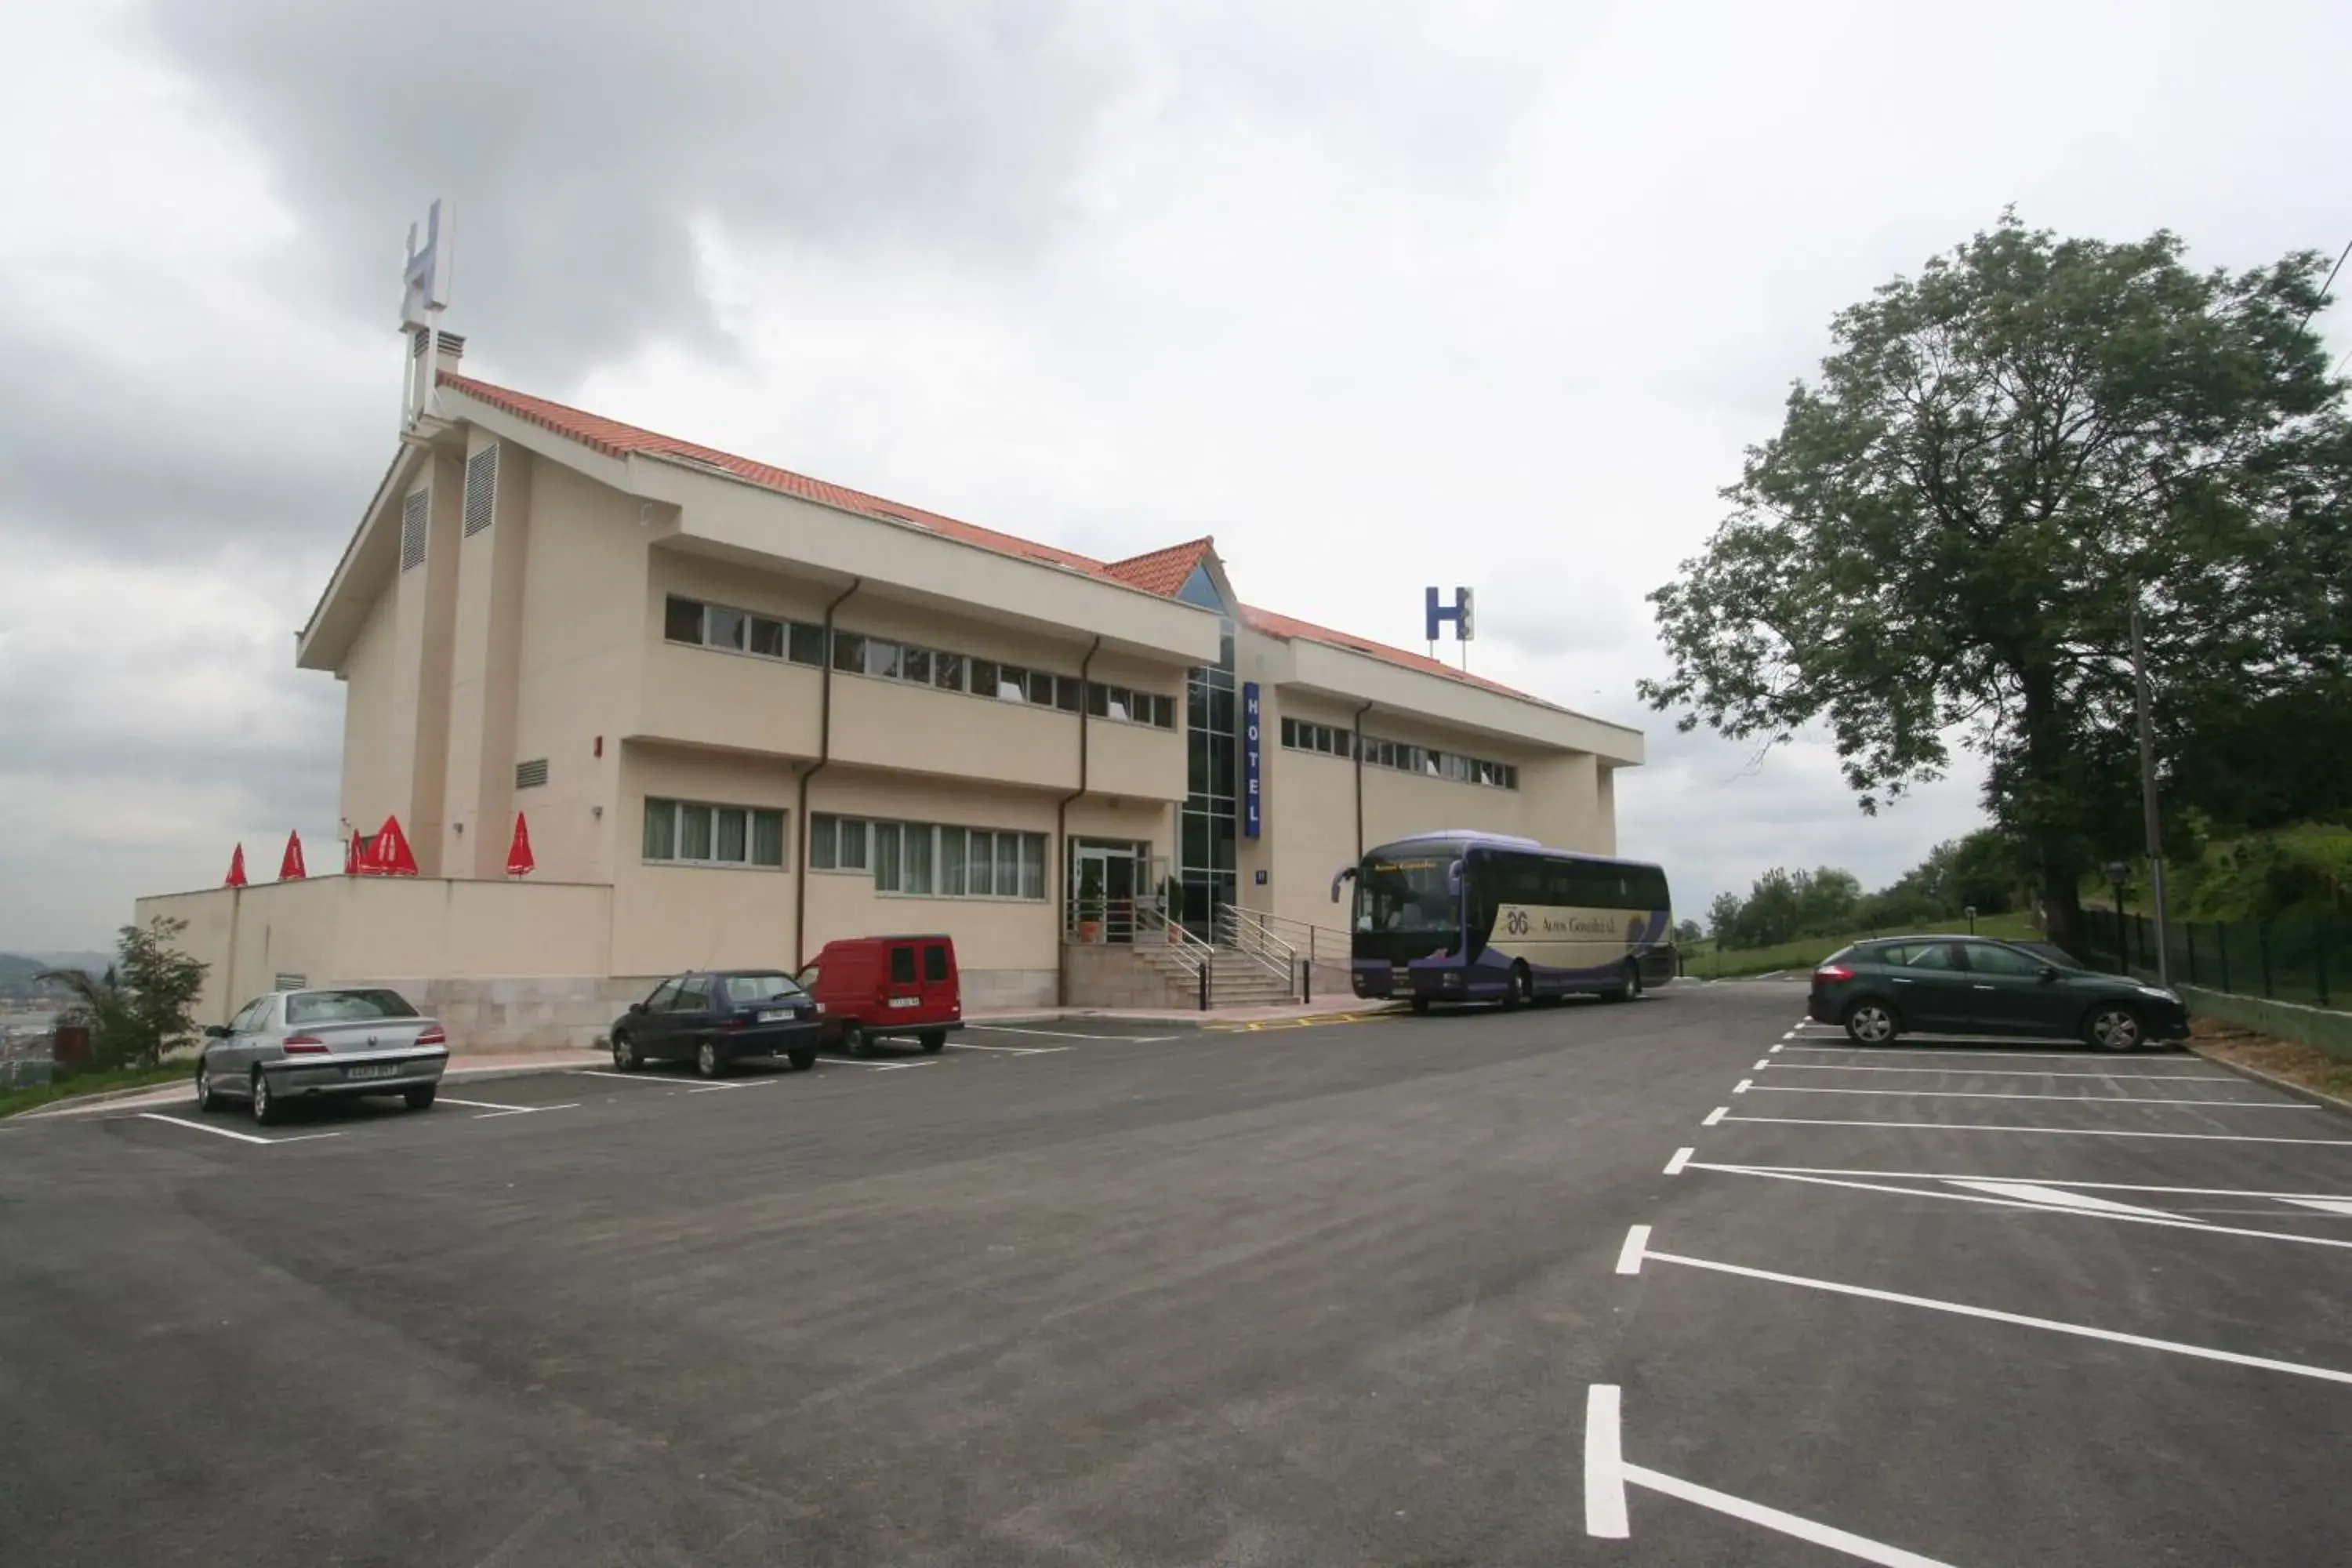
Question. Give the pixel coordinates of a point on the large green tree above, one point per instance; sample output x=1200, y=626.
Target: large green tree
x=145, y=1002
x=1944, y=543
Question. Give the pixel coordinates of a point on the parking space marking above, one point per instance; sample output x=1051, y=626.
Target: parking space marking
x=492, y=1104
x=1070, y=1034
x=2325, y=1205
x=1607, y=1475
x=1629, y=1257
x=2085, y=1056
x=1762, y=1063
x=625, y=1077
x=2021, y=1094
x=715, y=1088
x=2059, y=1198
x=524, y=1110
x=1991, y=1314
x=2085, y=1186
x=2051, y=1132
x=1682, y=1157
x=1717, y=1114
x=1743, y=1085
x=1009, y=1050
x=225, y=1133
x=2024, y=1072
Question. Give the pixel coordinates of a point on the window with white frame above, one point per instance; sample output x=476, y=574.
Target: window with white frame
x=925, y=859
x=1325, y=740
x=704, y=625
x=1328, y=739
x=1156, y=709
x=696, y=833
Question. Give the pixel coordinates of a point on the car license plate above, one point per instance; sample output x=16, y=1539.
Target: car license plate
x=373, y=1069
x=905, y=1001
x=776, y=1016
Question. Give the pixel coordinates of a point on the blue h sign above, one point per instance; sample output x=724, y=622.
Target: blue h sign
x=1252, y=813
x=1457, y=612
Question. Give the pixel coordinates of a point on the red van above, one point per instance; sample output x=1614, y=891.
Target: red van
x=876, y=987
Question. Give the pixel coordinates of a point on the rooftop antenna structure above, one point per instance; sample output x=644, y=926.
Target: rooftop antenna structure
x=425, y=294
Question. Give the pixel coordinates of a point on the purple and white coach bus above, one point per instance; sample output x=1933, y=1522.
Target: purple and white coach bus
x=1472, y=917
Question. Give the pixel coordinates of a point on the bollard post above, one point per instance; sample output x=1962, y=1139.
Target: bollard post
x=1204, y=985
x=1307, y=981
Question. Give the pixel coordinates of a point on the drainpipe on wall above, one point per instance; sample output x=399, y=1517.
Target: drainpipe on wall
x=824, y=755
x=1062, y=829
x=1359, y=780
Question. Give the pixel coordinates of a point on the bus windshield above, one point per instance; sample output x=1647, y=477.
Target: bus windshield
x=1407, y=895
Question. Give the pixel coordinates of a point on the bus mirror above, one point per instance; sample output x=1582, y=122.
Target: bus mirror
x=1453, y=877
x=1345, y=875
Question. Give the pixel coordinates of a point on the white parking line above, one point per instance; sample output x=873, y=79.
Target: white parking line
x=878, y=1066
x=225, y=1133
x=1682, y=1157
x=1717, y=1114
x=2054, y=1181
x=1604, y=1465
x=2052, y=1132
x=1009, y=1050
x=2013, y=1094
x=1775, y=1048
x=1629, y=1257
x=626, y=1077
x=2027, y=1072
x=525, y=1110
x=1743, y=1085
x=1762, y=1063
x=1988, y=1314
x=1804, y=1530
x=1070, y=1034
x=1958, y=1052
x=484, y=1104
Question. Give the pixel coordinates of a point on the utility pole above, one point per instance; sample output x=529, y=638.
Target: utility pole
x=2148, y=795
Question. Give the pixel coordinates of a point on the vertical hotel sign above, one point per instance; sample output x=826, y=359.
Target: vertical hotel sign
x=1253, y=811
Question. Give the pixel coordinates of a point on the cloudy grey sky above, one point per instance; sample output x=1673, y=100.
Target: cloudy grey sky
x=1382, y=295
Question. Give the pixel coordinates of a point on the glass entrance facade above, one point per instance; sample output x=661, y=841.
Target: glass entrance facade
x=1205, y=848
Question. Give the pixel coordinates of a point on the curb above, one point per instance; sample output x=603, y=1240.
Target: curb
x=96, y=1098
x=2312, y=1096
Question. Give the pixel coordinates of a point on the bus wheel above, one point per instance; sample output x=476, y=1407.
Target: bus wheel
x=1631, y=991
x=1522, y=989
x=1421, y=1004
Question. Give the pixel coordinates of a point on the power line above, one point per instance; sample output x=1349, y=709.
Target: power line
x=2331, y=281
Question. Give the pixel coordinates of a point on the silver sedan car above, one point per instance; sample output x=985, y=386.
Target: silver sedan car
x=318, y=1045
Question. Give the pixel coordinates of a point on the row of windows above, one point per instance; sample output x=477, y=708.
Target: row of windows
x=691, y=833
x=931, y=859
x=854, y=653
x=1516, y=878
x=1330, y=740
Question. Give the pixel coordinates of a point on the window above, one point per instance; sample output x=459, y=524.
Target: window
x=1934, y=955
x=1986, y=958
x=1325, y=740
x=750, y=990
x=767, y=637
x=682, y=620
x=804, y=644
x=849, y=652
x=1421, y=759
x=935, y=963
x=883, y=658
x=699, y=625
x=902, y=966
x=530, y=774
x=948, y=671
x=346, y=1006
x=692, y=995
x=663, y=995
x=838, y=843
x=918, y=666
x=691, y=833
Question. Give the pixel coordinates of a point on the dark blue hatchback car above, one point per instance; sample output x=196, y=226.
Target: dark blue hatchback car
x=1974, y=986
x=717, y=1019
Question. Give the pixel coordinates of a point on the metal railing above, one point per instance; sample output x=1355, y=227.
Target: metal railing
x=1251, y=934
x=1141, y=923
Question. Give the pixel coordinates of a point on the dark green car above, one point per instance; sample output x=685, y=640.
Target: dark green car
x=1972, y=985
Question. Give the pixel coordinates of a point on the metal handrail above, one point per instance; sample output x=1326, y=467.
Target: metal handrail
x=1248, y=931
x=1317, y=944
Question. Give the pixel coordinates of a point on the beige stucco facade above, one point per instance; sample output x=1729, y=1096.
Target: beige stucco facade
x=508, y=641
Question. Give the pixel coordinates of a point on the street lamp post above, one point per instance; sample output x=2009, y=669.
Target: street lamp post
x=2148, y=802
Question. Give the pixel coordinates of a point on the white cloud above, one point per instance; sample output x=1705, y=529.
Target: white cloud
x=1495, y=304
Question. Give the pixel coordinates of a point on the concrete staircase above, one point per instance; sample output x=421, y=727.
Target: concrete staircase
x=1235, y=979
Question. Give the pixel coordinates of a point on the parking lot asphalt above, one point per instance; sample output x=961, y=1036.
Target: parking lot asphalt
x=1682, y=1282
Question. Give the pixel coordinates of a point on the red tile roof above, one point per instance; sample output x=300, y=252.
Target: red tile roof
x=1163, y=572
x=1160, y=571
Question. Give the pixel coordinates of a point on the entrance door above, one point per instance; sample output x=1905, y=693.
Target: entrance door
x=1104, y=879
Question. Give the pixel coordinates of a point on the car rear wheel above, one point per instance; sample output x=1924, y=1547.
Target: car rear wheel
x=266, y=1108
x=1870, y=1022
x=853, y=1039
x=625, y=1053
x=708, y=1061
x=204, y=1100
x=420, y=1098
x=801, y=1060
x=933, y=1040
x=2114, y=1027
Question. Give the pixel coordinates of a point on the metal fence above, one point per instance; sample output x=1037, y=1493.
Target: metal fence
x=2306, y=961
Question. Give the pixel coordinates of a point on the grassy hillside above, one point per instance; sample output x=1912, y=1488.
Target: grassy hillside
x=2296, y=873
x=1807, y=951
